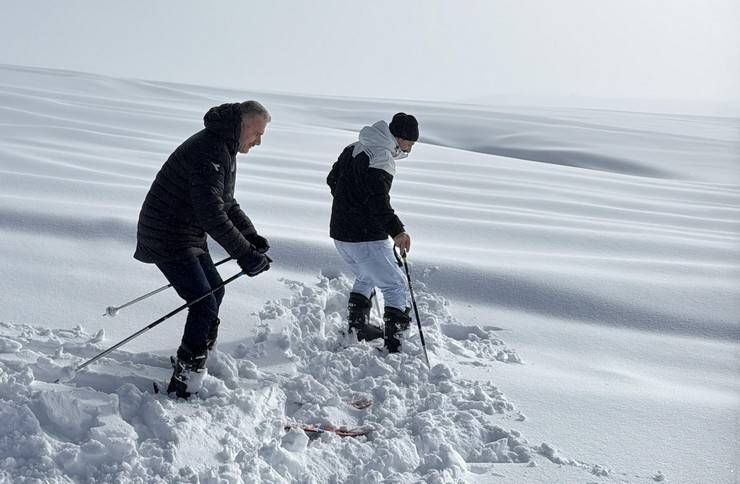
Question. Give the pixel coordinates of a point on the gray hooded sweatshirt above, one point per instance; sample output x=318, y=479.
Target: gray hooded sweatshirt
x=380, y=146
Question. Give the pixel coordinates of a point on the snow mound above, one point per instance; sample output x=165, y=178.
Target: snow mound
x=107, y=424
x=9, y=346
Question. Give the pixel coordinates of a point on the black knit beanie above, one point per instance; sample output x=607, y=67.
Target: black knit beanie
x=404, y=126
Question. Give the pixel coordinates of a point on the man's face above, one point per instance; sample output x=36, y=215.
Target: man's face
x=405, y=145
x=251, y=133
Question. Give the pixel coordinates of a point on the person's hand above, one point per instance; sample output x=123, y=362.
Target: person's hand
x=403, y=242
x=260, y=243
x=254, y=263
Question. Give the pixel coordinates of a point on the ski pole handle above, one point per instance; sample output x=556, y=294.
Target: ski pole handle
x=398, y=259
x=112, y=311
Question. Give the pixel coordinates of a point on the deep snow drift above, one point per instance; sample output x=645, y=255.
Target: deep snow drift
x=577, y=274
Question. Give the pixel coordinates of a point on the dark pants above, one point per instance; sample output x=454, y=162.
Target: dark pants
x=191, y=278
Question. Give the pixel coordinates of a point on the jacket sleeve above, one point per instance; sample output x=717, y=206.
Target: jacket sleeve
x=379, y=200
x=333, y=178
x=206, y=193
x=240, y=219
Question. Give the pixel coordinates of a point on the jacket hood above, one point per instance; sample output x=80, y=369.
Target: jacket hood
x=380, y=146
x=225, y=121
x=378, y=136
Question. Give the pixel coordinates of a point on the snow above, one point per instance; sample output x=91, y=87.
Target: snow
x=424, y=423
x=576, y=273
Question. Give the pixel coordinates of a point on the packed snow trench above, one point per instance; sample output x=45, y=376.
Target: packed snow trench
x=576, y=273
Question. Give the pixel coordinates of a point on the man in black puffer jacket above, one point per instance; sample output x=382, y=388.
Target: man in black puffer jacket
x=193, y=195
x=362, y=219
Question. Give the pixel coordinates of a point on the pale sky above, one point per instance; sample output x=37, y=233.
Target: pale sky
x=415, y=49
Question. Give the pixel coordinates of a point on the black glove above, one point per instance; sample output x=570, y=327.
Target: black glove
x=254, y=263
x=260, y=243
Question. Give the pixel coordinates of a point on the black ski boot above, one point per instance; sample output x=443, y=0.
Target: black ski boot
x=188, y=374
x=359, y=318
x=212, y=334
x=396, y=321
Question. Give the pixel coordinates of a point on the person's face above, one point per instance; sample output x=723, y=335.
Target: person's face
x=405, y=145
x=251, y=132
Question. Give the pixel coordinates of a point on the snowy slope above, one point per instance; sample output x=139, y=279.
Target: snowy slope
x=600, y=248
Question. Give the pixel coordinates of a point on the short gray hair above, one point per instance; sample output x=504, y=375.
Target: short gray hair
x=250, y=109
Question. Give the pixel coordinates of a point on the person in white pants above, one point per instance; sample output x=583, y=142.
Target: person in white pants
x=362, y=220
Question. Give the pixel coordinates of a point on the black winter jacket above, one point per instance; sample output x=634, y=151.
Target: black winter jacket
x=361, y=210
x=193, y=195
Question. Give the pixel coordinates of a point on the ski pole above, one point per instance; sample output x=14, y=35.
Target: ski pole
x=147, y=328
x=413, y=302
x=112, y=311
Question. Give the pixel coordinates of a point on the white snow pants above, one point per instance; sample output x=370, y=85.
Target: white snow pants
x=374, y=265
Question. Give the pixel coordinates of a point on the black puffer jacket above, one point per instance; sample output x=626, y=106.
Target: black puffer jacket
x=361, y=210
x=193, y=195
